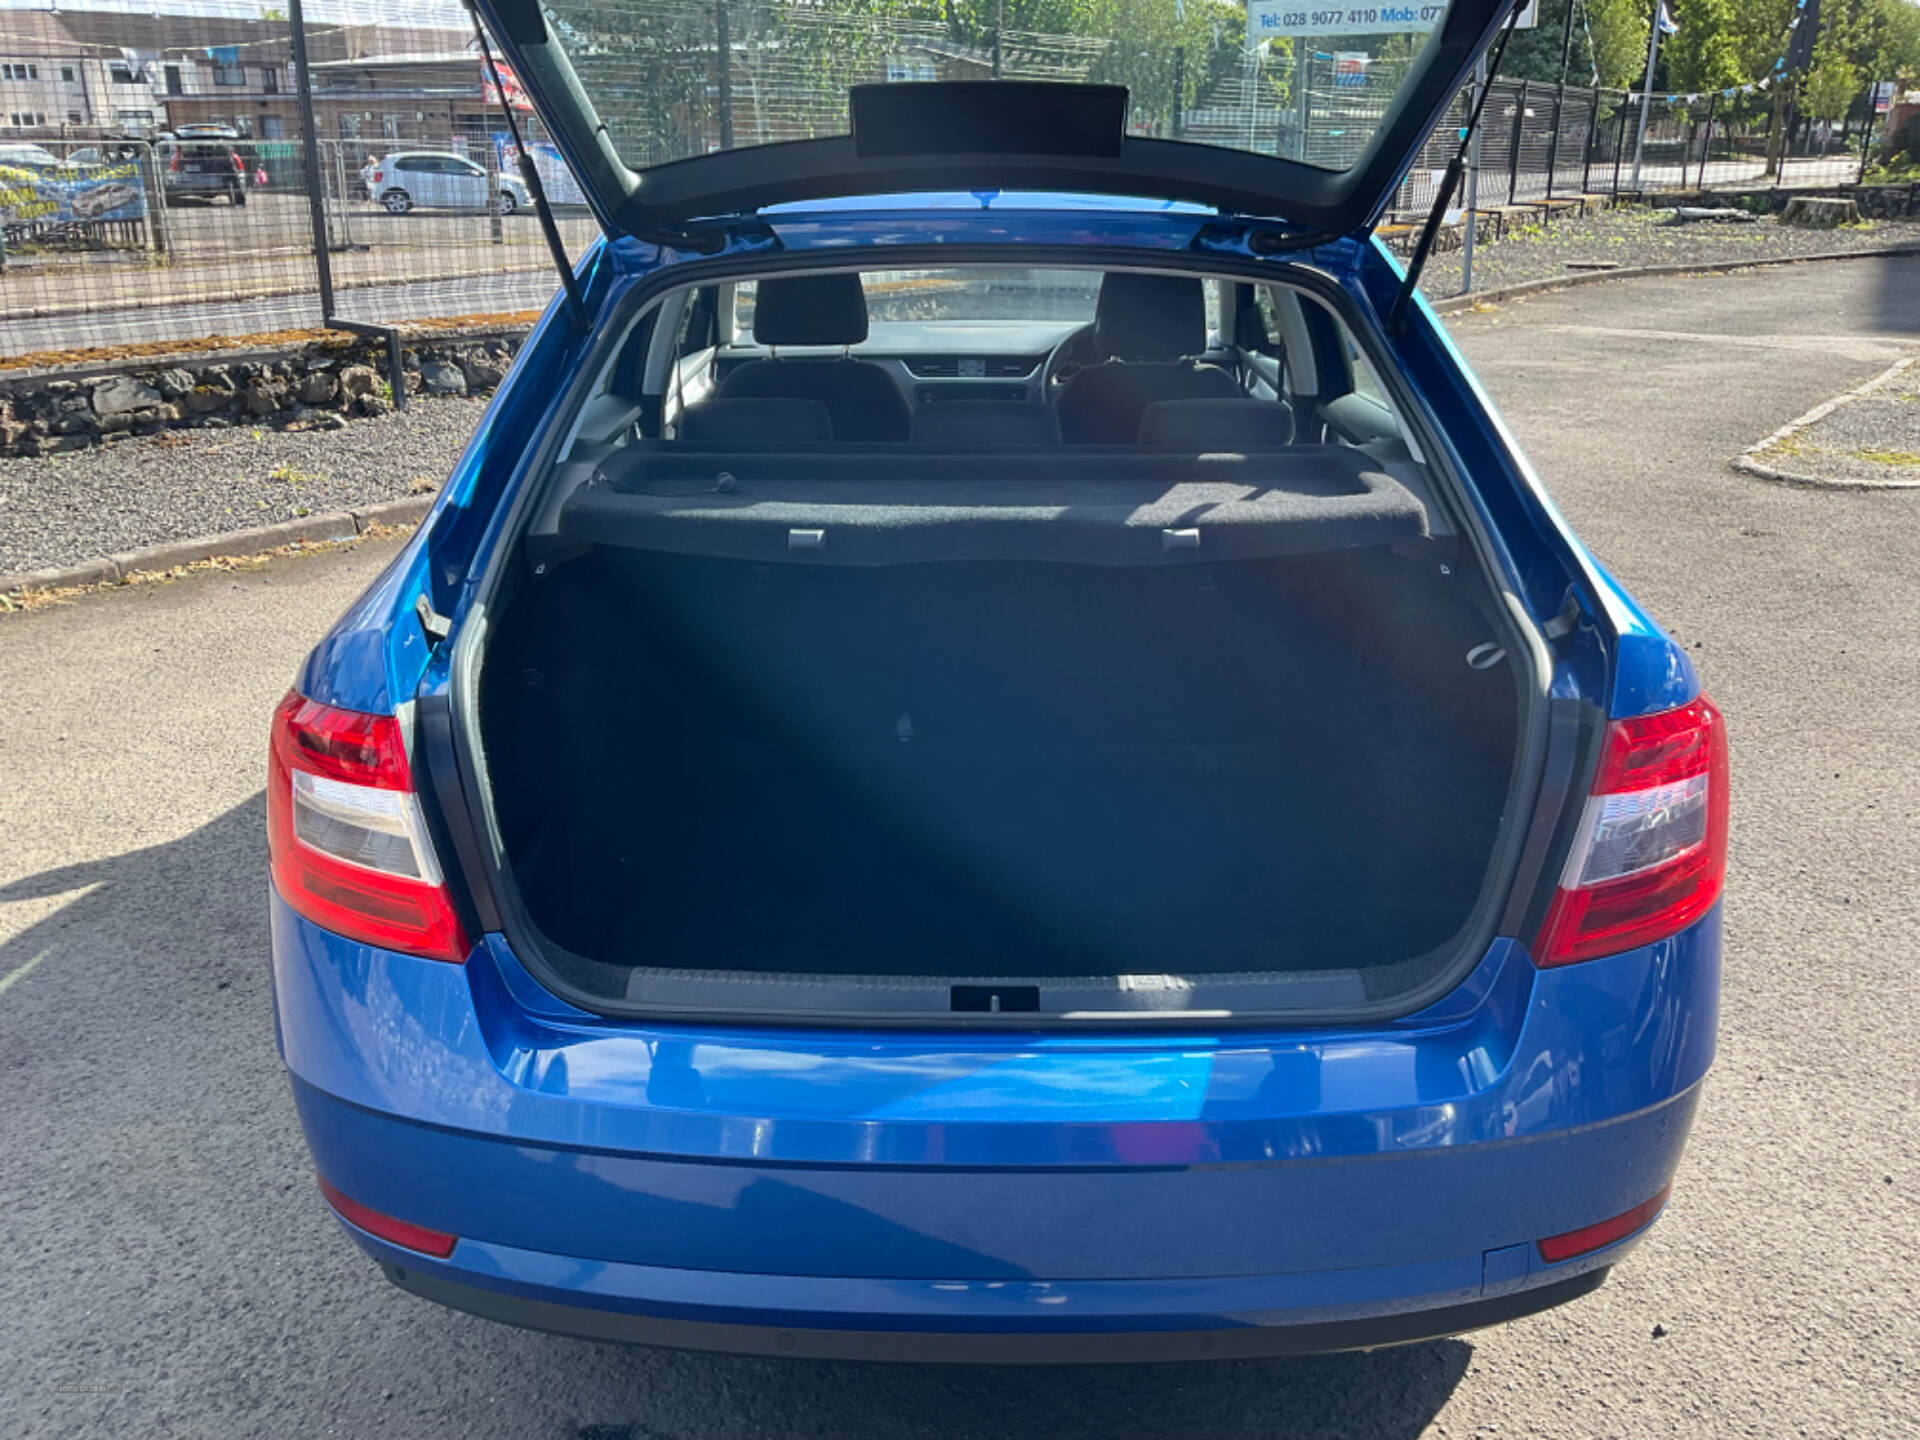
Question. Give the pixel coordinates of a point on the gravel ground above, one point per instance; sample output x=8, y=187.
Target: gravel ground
x=63, y=508
x=1632, y=235
x=1874, y=440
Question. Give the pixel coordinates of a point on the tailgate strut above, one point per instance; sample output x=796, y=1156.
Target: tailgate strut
x=530, y=177
x=1457, y=167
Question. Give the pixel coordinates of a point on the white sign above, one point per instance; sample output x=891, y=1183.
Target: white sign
x=1272, y=18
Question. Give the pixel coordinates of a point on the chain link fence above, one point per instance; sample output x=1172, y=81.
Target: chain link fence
x=154, y=183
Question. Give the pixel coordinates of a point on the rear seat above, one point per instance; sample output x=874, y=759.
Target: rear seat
x=983, y=424
x=1203, y=426
x=757, y=424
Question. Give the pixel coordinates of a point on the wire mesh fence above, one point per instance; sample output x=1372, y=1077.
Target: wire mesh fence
x=156, y=184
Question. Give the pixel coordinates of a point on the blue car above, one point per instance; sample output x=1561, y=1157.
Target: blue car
x=992, y=753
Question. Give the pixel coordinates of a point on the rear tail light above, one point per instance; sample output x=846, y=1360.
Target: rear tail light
x=1651, y=852
x=239, y=165
x=349, y=845
x=403, y=1233
x=378, y=176
x=1594, y=1237
x=173, y=161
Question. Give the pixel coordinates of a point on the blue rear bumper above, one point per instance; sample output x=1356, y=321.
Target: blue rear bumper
x=995, y=1196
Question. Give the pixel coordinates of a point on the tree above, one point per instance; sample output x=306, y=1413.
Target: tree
x=1535, y=54
x=1830, y=87
x=1619, y=30
x=1704, y=53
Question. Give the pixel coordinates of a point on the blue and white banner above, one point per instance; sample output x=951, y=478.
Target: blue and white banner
x=83, y=196
x=1270, y=19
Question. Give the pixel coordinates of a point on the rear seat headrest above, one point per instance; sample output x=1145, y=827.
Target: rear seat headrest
x=1148, y=318
x=971, y=423
x=752, y=424
x=1201, y=426
x=810, y=310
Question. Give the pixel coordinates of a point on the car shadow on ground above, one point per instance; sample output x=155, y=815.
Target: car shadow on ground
x=1387, y=1395
x=146, y=1008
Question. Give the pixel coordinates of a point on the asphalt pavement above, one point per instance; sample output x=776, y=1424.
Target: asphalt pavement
x=172, y=1271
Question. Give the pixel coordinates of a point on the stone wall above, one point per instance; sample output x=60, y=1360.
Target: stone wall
x=1875, y=202
x=322, y=386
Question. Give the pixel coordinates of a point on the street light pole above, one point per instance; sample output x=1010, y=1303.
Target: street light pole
x=1473, y=180
x=1560, y=99
x=1646, y=91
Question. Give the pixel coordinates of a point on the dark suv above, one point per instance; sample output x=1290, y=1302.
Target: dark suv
x=203, y=168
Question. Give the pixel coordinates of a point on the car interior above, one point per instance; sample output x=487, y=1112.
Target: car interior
x=995, y=622
x=1122, y=358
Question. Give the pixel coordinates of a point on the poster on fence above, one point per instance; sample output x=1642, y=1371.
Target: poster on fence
x=1268, y=18
x=95, y=194
x=1273, y=18
x=555, y=178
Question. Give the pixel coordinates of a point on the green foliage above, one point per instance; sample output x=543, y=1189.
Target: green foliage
x=1830, y=87
x=1619, y=29
x=1535, y=54
x=1704, y=54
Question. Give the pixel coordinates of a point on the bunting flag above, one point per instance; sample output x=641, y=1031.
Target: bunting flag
x=1779, y=71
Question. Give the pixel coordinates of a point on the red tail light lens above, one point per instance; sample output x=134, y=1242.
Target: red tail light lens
x=349, y=846
x=1651, y=853
x=173, y=161
x=239, y=165
x=403, y=1233
x=1592, y=1237
x=378, y=176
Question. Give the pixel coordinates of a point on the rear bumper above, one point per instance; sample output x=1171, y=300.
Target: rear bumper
x=560, y=1310
x=982, y=1197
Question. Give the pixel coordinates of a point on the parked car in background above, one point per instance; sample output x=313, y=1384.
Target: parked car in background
x=197, y=166
x=107, y=152
x=404, y=180
x=36, y=159
x=993, y=753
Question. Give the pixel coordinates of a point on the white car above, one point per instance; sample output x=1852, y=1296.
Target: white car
x=437, y=179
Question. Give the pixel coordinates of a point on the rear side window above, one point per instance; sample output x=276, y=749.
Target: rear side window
x=1365, y=382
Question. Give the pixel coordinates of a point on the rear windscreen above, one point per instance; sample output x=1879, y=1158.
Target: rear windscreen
x=1276, y=77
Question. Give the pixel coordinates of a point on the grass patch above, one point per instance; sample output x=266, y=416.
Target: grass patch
x=1889, y=457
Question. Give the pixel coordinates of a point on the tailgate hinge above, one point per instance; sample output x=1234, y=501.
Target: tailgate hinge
x=1567, y=621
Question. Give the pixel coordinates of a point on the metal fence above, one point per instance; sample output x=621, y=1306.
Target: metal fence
x=190, y=215
x=1539, y=142
x=121, y=242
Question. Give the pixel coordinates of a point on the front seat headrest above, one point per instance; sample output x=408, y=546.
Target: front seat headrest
x=1148, y=317
x=810, y=310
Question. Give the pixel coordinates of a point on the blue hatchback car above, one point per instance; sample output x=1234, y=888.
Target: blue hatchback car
x=993, y=753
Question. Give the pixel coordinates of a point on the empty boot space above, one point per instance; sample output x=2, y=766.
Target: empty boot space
x=999, y=769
